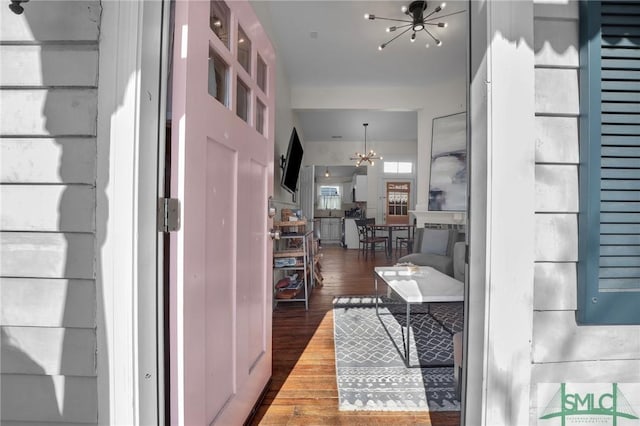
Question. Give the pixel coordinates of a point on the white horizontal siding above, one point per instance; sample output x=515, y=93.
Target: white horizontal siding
x=47, y=255
x=598, y=371
x=48, y=160
x=48, y=90
x=40, y=398
x=554, y=286
x=48, y=350
x=556, y=91
x=47, y=208
x=52, y=112
x=57, y=65
x=40, y=424
x=557, y=338
x=557, y=9
x=51, y=20
x=556, y=46
x=556, y=188
x=556, y=238
x=47, y=302
x=556, y=140
x=556, y=43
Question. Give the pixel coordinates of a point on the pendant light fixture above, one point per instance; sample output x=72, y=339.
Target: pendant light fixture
x=420, y=21
x=367, y=156
x=326, y=172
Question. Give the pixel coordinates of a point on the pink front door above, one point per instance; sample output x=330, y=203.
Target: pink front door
x=223, y=143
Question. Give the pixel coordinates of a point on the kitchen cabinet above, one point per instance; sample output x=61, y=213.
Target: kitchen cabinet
x=347, y=193
x=330, y=229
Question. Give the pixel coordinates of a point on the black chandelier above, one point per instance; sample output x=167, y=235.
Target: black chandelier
x=419, y=21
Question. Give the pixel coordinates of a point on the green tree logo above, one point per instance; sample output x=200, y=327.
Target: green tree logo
x=565, y=404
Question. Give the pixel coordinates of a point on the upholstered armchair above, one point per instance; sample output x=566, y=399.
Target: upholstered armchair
x=435, y=248
x=459, y=260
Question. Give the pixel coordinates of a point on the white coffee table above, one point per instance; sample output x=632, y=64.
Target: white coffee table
x=418, y=284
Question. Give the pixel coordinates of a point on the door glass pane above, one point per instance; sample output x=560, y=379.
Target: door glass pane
x=219, y=20
x=260, y=115
x=398, y=202
x=262, y=75
x=242, y=95
x=244, y=50
x=218, y=78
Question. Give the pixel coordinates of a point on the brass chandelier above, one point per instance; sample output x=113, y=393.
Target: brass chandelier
x=367, y=156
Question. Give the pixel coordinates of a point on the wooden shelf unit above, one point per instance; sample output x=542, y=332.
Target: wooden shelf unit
x=295, y=243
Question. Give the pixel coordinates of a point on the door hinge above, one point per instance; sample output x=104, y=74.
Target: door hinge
x=168, y=215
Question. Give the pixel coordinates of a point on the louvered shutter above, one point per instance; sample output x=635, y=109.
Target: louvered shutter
x=609, y=219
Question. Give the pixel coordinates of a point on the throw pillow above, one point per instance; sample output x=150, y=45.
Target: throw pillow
x=435, y=241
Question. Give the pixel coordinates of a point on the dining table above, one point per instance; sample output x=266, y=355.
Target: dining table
x=389, y=228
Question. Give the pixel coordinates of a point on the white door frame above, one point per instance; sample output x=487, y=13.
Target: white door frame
x=131, y=101
x=499, y=312
x=501, y=39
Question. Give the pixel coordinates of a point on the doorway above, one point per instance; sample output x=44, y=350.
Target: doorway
x=414, y=186
x=397, y=202
x=396, y=208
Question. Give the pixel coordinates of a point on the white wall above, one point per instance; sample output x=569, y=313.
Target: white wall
x=446, y=98
x=339, y=153
x=285, y=117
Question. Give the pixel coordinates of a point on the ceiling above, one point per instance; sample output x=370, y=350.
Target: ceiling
x=347, y=125
x=329, y=43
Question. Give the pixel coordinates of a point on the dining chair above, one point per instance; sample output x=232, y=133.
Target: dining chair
x=405, y=241
x=367, y=237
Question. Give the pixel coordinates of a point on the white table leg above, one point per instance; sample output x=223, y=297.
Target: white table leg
x=408, y=332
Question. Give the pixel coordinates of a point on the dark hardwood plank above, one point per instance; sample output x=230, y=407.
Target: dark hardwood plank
x=303, y=389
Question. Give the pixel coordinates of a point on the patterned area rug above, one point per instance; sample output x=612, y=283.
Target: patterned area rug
x=370, y=355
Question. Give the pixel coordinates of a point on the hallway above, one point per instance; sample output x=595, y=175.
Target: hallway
x=303, y=389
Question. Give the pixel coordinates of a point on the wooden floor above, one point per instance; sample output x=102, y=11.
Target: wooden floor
x=303, y=389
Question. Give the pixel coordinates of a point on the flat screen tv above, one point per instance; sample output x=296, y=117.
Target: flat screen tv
x=292, y=163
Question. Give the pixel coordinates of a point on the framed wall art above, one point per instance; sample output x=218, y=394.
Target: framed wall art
x=448, y=180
